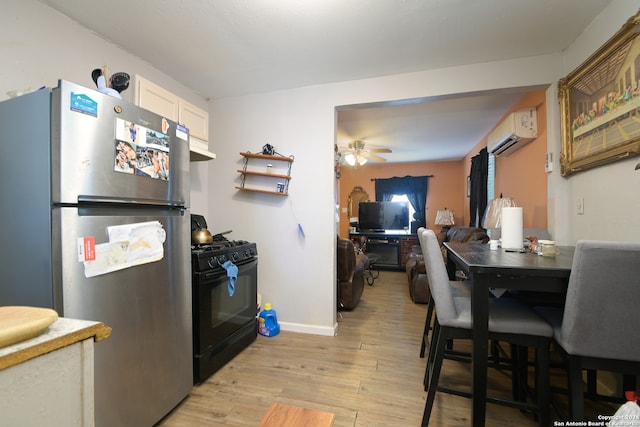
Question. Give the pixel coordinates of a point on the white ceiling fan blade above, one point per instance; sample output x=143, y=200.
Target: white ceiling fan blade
x=374, y=157
x=379, y=150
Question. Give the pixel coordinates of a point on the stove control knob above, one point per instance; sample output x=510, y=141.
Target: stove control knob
x=212, y=262
x=235, y=256
x=222, y=259
x=247, y=253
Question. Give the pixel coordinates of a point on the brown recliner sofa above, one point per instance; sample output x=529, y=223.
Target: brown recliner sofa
x=352, y=267
x=415, y=267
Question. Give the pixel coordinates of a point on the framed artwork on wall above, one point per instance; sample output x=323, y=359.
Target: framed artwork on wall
x=600, y=104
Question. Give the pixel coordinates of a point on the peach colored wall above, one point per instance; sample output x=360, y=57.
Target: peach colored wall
x=445, y=187
x=519, y=174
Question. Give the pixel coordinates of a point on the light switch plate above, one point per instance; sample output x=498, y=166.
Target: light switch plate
x=548, y=163
x=580, y=206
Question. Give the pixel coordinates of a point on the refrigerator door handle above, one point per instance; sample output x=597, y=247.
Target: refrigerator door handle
x=128, y=201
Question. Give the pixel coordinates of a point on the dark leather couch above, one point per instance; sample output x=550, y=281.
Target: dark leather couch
x=352, y=267
x=415, y=267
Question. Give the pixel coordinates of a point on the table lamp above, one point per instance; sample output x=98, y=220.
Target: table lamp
x=492, y=220
x=444, y=217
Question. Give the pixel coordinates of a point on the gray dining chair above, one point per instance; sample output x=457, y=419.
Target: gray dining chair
x=509, y=321
x=598, y=327
x=457, y=287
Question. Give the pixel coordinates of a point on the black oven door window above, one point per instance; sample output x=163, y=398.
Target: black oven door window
x=221, y=312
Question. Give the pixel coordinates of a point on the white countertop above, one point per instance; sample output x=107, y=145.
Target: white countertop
x=61, y=333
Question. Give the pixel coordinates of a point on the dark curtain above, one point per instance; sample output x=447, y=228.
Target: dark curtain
x=478, y=202
x=415, y=187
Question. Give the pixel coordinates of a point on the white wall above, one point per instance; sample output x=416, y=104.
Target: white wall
x=611, y=193
x=39, y=46
x=296, y=273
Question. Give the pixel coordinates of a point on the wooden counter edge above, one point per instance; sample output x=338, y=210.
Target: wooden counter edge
x=99, y=331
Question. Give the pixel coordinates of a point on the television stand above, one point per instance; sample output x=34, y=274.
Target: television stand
x=389, y=247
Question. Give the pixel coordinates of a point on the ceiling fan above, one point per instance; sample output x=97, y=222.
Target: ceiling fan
x=356, y=153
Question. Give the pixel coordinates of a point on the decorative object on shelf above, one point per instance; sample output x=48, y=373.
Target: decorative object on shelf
x=492, y=220
x=281, y=187
x=268, y=150
x=444, y=217
x=597, y=100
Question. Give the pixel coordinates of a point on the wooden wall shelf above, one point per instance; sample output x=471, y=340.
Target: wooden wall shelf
x=264, y=160
x=266, y=157
x=272, y=175
x=256, y=190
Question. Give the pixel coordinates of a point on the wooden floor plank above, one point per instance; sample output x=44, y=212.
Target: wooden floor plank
x=368, y=375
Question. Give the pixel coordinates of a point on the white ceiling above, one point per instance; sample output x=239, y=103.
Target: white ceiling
x=426, y=129
x=227, y=48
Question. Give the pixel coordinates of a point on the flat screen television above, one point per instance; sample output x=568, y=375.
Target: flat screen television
x=381, y=216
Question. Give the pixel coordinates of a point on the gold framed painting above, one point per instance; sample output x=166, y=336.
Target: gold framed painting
x=600, y=104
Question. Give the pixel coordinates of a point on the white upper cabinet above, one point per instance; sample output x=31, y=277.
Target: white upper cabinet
x=159, y=100
x=154, y=98
x=196, y=120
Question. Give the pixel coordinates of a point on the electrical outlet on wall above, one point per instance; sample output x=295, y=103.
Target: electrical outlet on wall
x=580, y=206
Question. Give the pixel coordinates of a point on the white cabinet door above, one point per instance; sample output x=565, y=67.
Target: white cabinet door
x=197, y=121
x=154, y=98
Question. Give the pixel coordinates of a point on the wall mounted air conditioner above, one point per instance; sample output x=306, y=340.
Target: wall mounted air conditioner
x=517, y=129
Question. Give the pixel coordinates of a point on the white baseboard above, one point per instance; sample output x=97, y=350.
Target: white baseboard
x=309, y=329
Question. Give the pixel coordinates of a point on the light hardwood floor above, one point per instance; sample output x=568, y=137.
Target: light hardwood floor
x=370, y=374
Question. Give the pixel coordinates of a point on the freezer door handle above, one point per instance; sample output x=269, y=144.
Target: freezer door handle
x=128, y=201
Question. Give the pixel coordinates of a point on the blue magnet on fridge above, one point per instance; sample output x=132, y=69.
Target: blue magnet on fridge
x=83, y=104
x=301, y=230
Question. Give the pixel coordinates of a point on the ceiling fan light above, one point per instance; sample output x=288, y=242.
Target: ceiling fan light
x=361, y=159
x=350, y=159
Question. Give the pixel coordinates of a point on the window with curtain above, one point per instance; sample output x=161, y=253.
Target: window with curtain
x=491, y=179
x=478, y=194
x=404, y=198
x=414, y=187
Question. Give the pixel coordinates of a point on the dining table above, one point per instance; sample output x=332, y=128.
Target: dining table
x=500, y=269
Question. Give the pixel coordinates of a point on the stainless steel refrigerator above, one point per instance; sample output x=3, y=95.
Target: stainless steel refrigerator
x=95, y=224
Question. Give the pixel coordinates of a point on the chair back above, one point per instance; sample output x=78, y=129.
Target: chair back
x=346, y=259
x=439, y=284
x=602, y=309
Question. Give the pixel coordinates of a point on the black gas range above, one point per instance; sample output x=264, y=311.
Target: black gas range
x=212, y=256
x=224, y=289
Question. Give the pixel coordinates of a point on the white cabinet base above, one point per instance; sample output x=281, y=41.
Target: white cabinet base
x=48, y=380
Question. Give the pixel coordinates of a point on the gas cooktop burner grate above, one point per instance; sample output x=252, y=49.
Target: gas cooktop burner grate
x=211, y=256
x=218, y=245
